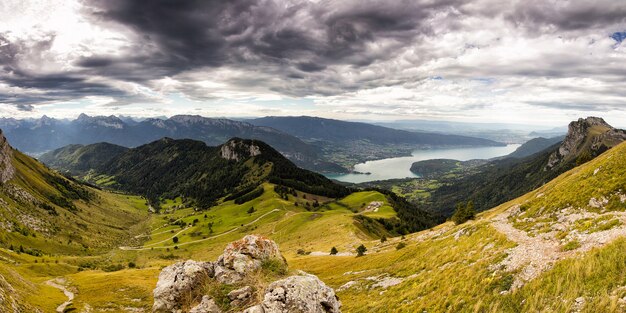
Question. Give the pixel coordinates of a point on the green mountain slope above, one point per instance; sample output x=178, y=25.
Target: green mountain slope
x=45, y=216
x=533, y=146
x=171, y=168
x=79, y=159
x=517, y=257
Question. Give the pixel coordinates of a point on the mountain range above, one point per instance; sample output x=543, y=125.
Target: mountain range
x=336, y=131
x=358, y=141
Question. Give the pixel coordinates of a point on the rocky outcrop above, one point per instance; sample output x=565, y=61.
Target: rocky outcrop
x=586, y=138
x=239, y=149
x=244, y=256
x=207, y=305
x=179, y=281
x=7, y=171
x=180, y=287
x=301, y=293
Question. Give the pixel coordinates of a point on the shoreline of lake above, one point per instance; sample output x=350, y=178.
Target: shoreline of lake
x=399, y=167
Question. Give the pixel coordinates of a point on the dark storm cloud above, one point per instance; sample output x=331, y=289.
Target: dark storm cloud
x=25, y=107
x=15, y=58
x=301, y=36
x=569, y=15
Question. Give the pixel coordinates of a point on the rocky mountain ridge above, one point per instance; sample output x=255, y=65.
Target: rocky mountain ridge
x=586, y=138
x=7, y=170
x=237, y=150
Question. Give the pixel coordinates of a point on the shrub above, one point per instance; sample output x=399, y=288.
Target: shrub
x=113, y=268
x=132, y=265
x=572, y=245
x=274, y=266
x=360, y=250
x=333, y=251
x=303, y=252
x=464, y=213
x=383, y=238
x=400, y=245
x=175, y=239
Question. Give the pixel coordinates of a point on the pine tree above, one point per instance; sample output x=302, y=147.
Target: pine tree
x=464, y=213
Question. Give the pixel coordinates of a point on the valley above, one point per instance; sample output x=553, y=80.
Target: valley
x=101, y=247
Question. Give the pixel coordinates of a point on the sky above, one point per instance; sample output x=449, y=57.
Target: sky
x=536, y=62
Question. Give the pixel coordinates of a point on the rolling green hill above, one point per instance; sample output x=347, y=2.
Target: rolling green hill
x=56, y=233
x=79, y=159
x=168, y=168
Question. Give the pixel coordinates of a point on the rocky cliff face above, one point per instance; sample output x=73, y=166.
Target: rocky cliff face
x=6, y=160
x=237, y=149
x=194, y=287
x=586, y=138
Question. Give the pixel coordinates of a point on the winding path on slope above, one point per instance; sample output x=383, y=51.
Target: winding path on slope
x=57, y=283
x=536, y=254
x=151, y=246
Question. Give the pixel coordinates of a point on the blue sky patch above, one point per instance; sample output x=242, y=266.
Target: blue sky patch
x=619, y=36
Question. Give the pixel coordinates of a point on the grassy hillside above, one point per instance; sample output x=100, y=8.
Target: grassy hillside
x=97, y=279
x=51, y=226
x=43, y=212
x=79, y=159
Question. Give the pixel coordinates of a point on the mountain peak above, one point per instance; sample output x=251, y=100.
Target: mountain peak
x=6, y=160
x=111, y=121
x=589, y=122
x=240, y=149
x=586, y=138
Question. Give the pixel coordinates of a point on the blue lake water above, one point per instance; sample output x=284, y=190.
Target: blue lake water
x=400, y=167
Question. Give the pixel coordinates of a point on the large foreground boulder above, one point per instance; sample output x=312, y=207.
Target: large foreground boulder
x=179, y=281
x=303, y=293
x=244, y=256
